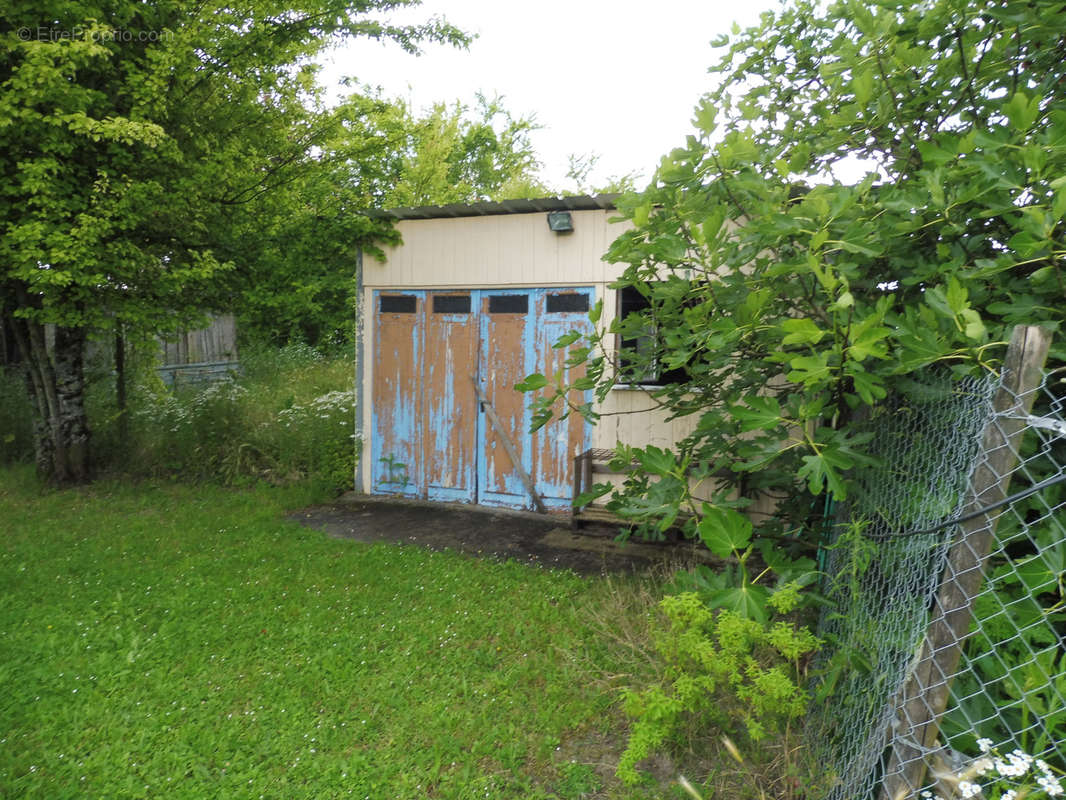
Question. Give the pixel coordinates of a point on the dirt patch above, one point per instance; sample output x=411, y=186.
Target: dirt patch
x=534, y=539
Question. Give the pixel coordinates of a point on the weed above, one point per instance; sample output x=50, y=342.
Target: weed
x=290, y=416
x=646, y=650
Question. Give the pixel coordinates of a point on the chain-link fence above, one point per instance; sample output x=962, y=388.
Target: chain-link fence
x=948, y=616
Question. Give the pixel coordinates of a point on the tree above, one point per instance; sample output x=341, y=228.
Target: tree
x=580, y=170
x=455, y=154
x=787, y=300
x=136, y=140
x=304, y=244
x=378, y=154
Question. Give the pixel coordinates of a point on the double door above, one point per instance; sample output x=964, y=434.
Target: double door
x=432, y=438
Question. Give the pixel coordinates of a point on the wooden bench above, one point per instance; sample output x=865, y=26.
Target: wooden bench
x=594, y=461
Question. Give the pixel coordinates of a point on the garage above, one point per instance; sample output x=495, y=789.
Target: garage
x=472, y=300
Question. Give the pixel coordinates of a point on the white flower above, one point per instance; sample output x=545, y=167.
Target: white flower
x=985, y=744
x=1050, y=785
x=968, y=789
x=1008, y=795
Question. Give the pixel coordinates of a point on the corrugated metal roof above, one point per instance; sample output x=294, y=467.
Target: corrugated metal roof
x=581, y=202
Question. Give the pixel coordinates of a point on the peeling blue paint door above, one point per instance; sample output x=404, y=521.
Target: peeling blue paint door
x=556, y=313
x=431, y=439
x=518, y=330
x=397, y=393
x=450, y=438
x=507, y=325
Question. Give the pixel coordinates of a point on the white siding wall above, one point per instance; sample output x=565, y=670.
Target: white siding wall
x=498, y=250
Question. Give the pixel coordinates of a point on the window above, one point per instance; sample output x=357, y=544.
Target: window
x=569, y=303
x=399, y=304
x=451, y=304
x=508, y=303
x=639, y=344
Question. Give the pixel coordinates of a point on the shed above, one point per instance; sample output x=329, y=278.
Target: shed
x=471, y=302
x=201, y=355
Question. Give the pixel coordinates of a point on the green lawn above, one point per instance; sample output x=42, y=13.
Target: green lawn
x=173, y=641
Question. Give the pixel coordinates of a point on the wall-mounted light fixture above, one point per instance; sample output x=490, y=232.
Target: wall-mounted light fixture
x=560, y=222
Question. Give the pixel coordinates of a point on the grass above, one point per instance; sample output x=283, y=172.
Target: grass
x=187, y=642
x=288, y=417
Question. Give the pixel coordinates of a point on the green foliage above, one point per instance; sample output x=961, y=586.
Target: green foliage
x=455, y=154
x=138, y=160
x=396, y=471
x=1017, y=666
x=306, y=242
x=580, y=170
x=16, y=414
x=728, y=534
x=302, y=249
x=789, y=297
x=242, y=655
x=725, y=671
x=139, y=145
x=288, y=418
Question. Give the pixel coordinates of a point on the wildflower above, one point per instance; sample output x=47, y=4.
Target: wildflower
x=1050, y=785
x=968, y=789
x=984, y=744
x=1021, y=757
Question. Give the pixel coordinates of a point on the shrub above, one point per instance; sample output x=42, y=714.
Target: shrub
x=725, y=671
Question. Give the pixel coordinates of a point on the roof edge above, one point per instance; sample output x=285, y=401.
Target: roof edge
x=581, y=202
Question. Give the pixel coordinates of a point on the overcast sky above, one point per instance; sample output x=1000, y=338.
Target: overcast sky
x=612, y=77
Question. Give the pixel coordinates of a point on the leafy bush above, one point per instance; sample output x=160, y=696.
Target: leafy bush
x=742, y=676
x=1017, y=665
x=740, y=670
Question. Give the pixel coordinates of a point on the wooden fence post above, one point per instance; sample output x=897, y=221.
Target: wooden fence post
x=925, y=695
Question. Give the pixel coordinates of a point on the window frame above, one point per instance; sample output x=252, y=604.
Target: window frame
x=657, y=377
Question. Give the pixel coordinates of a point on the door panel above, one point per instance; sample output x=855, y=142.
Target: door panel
x=450, y=434
x=397, y=395
x=559, y=311
x=505, y=340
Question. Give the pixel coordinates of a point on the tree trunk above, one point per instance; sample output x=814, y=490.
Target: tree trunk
x=73, y=425
x=55, y=380
x=120, y=385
